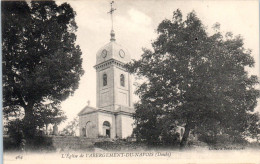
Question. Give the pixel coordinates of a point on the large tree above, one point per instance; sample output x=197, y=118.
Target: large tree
x=41, y=62
x=195, y=80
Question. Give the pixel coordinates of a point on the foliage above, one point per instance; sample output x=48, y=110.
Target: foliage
x=41, y=62
x=49, y=114
x=71, y=128
x=195, y=80
x=147, y=129
x=41, y=143
x=254, y=126
x=15, y=131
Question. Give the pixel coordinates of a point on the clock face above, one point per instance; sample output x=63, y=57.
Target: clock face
x=121, y=53
x=104, y=53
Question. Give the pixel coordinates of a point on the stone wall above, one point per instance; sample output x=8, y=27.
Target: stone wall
x=76, y=143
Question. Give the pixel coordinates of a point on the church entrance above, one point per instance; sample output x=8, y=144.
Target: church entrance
x=84, y=132
x=88, y=129
x=106, y=129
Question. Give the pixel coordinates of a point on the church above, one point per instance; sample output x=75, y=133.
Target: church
x=113, y=116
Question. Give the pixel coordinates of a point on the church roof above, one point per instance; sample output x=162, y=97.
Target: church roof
x=112, y=50
x=121, y=110
x=87, y=109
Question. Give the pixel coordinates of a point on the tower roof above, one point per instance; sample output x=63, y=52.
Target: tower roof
x=112, y=50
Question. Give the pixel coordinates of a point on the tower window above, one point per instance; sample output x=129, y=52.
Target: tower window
x=122, y=80
x=104, y=79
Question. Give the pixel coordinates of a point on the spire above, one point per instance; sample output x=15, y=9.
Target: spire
x=112, y=33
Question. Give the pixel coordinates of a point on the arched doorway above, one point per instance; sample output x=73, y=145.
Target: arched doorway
x=84, y=132
x=106, y=129
x=88, y=129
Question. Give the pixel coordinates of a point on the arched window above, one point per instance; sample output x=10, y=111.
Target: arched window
x=122, y=80
x=104, y=79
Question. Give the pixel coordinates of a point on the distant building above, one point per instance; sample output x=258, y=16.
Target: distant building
x=113, y=116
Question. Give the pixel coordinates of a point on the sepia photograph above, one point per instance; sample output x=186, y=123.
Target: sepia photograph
x=130, y=81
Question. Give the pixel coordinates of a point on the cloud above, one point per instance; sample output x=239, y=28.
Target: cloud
x=134, y=30
x=139, y=18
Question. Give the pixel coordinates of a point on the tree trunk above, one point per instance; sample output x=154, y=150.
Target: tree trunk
x=46, y=132
x=29, y=126
x=185, y=136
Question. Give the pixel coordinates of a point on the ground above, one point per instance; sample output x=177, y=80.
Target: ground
x=70, y=143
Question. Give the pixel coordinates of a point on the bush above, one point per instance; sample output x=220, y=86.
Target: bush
x=222, y=140
x=170, y=139
x=15, y=133
x=210, y=140
x=9, y=144
x=17, y=140
x=39, y=143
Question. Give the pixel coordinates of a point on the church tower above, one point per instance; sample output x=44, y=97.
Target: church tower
x=113, y=81
x=113, y=117
x=114, y=86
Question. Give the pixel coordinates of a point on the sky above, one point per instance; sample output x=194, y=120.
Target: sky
x=135, y=23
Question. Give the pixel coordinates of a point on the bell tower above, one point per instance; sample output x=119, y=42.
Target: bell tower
x=114, y=87
x=113, y=116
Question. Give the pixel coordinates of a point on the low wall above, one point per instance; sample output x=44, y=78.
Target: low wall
x=70, y=142
x=54, y=143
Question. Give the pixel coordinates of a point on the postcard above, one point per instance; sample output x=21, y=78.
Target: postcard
x=130, y=81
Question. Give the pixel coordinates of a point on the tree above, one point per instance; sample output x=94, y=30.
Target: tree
x=195, y=80
x=49, y=114
x=41, y=62
x=72, y=127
